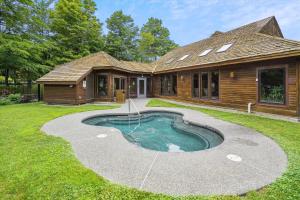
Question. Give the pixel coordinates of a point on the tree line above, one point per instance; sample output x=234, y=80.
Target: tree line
x=36, y=35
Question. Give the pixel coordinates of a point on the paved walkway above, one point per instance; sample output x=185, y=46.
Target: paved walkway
x=245, y=161
x=266, y=115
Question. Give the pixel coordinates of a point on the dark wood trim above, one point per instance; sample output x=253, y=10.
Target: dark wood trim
x=286, y=89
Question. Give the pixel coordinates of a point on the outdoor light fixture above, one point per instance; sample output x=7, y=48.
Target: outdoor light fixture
x=70, y=86
x=84, y=84
x=232, y=75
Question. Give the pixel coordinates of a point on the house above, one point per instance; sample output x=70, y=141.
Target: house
x=251, y=64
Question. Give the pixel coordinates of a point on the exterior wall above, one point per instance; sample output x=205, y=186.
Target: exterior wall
x=298, y=86
x=59, y=94
x=237, y=92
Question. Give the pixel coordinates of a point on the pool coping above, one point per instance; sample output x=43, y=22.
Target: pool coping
x=206, y=172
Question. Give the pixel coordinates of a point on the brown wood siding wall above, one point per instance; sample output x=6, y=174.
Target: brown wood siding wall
x=237, y=92
x=298, y=86
x=81, y=93
x=60, y=94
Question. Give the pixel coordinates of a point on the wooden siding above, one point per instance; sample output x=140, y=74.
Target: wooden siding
x=298, y=86
x=237, y=92
x=60, y=94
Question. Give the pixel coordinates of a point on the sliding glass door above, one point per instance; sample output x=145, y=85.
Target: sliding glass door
x=205, y=85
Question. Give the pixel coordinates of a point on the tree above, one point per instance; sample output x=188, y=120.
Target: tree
x=155, y=40
x=75, y=29
x=121, y=40
x=14, y=15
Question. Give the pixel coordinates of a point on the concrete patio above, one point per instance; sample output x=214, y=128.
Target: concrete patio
x=245, y=161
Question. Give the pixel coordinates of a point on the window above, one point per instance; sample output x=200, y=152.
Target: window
x=119, y=84
x=183, y=57
x=204, y=53
x=102, y=85
x=204, y=85
x=133, y=86
x=272, y=87
x=174, y=84
x=169, y=85
x=169, y=61
x=215, y=85
x=224, y=48
x=195, y=85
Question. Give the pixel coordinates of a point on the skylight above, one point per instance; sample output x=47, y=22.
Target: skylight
x=204, y=53
x=169, y=61
x=183, y=57
x=224, y=48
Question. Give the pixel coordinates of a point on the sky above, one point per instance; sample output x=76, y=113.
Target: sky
x=192, y=20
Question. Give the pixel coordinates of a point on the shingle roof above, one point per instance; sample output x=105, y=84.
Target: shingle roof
x=247, y=41
x=261, y=39
x=75, y=70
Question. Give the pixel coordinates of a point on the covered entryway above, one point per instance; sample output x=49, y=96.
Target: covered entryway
x=141, y=87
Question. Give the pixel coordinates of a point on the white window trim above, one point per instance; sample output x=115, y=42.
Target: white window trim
x=205, y=52
x=183, y=57
x=170, y=60
x=224, y=48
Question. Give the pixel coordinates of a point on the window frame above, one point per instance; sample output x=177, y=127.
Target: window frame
x=218, y=97
x=192, y=88
x=208, y=85
x=258, y=85
x=97, y=82
x=209, y=97
x=168, y=85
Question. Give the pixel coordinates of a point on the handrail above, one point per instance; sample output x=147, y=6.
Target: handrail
x=137, y=110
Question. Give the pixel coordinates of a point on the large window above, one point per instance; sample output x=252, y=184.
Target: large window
x=119, y=84
x=169, y=85
x=102, y=85
x=204, y=84
x=215, y=84
x=196, y=82
x=272, y=85
x=133, y=86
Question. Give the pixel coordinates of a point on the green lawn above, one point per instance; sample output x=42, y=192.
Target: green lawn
x=36, y=166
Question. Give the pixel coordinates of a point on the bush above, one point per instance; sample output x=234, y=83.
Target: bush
x=11, y=99
x=14, y=98
x=4, y=101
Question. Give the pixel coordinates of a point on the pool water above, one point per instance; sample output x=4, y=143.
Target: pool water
x=160, y=131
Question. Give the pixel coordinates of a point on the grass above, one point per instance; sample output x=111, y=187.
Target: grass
x=286, y=134
x=37, y=166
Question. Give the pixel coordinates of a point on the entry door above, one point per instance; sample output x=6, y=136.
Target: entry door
x=142, y=87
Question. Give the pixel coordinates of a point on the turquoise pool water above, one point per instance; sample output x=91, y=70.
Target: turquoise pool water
x=160, y=131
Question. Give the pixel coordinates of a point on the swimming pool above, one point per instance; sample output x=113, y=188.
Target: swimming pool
x=160, y=131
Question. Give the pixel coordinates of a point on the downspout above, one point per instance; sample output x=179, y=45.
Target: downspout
x=250, y=107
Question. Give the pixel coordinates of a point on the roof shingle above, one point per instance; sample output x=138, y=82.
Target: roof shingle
x=261, y=38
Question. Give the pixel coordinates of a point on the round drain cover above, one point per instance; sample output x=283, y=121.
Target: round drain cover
x=234, y=158
x=101, y=136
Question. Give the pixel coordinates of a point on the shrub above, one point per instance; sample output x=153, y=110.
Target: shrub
x=4, y=101
x=14, y=98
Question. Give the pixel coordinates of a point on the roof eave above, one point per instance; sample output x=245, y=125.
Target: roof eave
x=265, y=57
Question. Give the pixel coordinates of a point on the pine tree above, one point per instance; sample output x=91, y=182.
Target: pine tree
x=121, y=40
x=155, y=40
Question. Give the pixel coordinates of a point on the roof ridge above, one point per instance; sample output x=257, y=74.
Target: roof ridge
x=267, y=19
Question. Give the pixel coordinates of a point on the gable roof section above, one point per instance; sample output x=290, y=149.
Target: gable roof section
x=250, y=42
x=75, y=70
x=260, y=40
